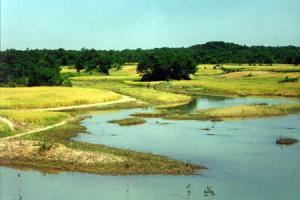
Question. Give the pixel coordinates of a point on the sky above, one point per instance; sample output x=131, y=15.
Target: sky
x=131, y=24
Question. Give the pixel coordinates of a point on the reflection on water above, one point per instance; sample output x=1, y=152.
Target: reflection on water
x=209, y=193
x=243, y=160
x=205, y=102
x=19, y=188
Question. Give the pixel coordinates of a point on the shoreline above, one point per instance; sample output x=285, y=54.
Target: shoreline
x=43, y=152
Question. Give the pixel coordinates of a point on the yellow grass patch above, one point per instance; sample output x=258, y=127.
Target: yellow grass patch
x=26, y=120
x=127, y=69
x=143, y=93
x=246, y=111
x=247, y=74
x=67, y=69
x=268, y=86
x=50, y=97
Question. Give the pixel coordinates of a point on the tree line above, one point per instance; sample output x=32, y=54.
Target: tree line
x=42, y=67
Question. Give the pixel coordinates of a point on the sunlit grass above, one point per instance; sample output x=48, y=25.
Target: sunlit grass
x=149, y=95
x=237, y=112
x=67, y=69
x=274, y=67
x=106, y=78
x=261, y=74
x=49, y=97
x=127, y=69
x=268, y=86
x=207, y=70
x=26, y=120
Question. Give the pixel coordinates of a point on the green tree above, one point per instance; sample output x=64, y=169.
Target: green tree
x=165, y=64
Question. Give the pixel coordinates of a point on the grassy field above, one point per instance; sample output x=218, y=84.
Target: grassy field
x=284, y=68
x=116, y=82
x=257, y=86
x=49, y=97
x=94, y=87
x=247, y=80
x=25, y=121
x=243, y=80
x=149, y=95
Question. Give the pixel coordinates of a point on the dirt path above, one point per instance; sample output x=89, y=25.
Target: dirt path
x=8, y=122
x=37, y=130
x=123, y=99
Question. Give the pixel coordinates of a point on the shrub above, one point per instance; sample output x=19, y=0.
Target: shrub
x=287, y=79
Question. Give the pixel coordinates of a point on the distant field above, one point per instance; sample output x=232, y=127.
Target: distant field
x=268, y=86
x=246, y=111
x=127, y=69
x=227, y=79
x=251, y=80
x=49, y=97
x=149, y=95
x=273, y=68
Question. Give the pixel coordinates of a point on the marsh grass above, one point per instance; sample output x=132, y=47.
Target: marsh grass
x=49, y=97
x=286, y=141
x=149, y=115
x=128, y=121
x=248, y=111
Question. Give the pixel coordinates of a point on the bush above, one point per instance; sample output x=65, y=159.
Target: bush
x=287, y=79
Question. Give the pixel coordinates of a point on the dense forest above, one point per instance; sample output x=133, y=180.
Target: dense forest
x=41, y=67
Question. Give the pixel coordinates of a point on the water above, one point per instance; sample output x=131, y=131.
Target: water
x=243, y=160
x=205, y=102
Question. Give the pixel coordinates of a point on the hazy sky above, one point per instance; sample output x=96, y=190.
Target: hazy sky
x=120, y=24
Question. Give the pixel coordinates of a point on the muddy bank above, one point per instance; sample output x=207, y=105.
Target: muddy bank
x=52, y=156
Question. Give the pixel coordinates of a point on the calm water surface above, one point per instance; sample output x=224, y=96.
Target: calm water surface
x=244, y=162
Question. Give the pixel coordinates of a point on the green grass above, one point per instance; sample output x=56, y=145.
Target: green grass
x=274, y=68
x=49, y=97
x=4, y=130
x=251, y=80
x=257, y=86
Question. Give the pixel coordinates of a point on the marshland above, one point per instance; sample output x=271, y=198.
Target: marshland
x=149, y=100
x=148, y=132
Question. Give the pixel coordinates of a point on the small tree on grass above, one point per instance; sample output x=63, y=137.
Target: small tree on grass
x=165, y=65
x=79, y=63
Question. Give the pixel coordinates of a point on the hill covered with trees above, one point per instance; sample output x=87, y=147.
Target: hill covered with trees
x=41, y=67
